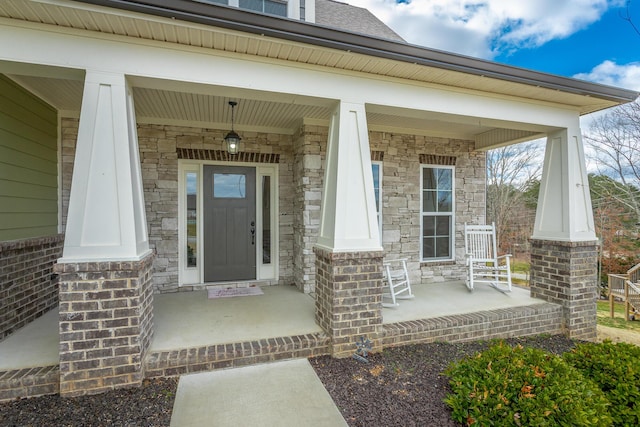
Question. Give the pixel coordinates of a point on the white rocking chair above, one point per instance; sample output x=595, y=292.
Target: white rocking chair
x=397, y=285
x=483, y=263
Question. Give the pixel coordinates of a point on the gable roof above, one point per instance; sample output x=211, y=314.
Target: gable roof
x=336, y=14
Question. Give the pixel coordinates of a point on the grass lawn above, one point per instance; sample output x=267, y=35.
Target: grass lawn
x=618, y=321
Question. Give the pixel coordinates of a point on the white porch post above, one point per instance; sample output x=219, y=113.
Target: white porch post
x=564, y=245
x=348, y=219
x=348, y=251
x=106, y=219
x=106, y=269
x=564, y=204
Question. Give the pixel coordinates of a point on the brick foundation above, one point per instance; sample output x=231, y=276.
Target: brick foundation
x=565, y=273
x=222, y=356
x=349, y=298
x=545, y=318
x=28, y=288
x=29, y=382
x=106, y=324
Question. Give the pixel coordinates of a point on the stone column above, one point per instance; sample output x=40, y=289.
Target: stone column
x=349, y=298
x=106, y=324
x=565, y=273
x=307, y=175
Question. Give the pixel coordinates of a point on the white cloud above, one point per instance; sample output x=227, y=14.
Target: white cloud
x=612, y=74
x=483, y=28
x=609, y=73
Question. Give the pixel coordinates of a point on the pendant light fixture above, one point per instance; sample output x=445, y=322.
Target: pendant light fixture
x=232, y=139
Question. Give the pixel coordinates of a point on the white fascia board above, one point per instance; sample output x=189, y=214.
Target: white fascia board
x=47, y=45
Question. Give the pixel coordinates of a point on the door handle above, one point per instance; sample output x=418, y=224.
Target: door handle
x=253, y=232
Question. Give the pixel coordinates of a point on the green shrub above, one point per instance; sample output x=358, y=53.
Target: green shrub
x=615, y=368
x=505, y=386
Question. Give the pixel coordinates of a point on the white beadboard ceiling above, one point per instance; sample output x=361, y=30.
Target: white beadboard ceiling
x=256, y=113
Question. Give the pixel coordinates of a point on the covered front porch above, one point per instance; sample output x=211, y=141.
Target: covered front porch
x=194, y=333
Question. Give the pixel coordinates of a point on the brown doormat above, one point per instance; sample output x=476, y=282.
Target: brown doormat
x=234, y=292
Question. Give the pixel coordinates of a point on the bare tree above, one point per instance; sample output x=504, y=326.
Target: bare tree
x=511, y=170
x=626, y=15
x=614, y=139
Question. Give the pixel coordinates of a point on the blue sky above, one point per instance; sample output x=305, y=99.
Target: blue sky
x=586, y=39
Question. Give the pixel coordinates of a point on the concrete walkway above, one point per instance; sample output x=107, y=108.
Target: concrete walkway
x=281, y=394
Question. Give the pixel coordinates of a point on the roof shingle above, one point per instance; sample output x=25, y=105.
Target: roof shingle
x=343, y=16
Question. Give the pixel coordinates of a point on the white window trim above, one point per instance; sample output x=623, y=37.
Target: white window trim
x=268, y=271
x=379, y=164
x=452, y=214
x=189, y=275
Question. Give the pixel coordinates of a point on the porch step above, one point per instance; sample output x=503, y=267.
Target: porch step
x=29, y=382
x=543, y=318
x=233, y=355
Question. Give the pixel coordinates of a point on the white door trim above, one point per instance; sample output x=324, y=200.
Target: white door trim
x=264, y=271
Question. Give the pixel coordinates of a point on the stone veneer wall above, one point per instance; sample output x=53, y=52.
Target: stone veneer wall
x=308, y=173
x=28, y=288
x=566, y=273
x=401, y=198
x=158, y=146
x=106, y=324
x=301, y=172
x=349, y=299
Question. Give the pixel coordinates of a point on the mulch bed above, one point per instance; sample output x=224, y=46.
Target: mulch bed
x=404, y=386
x=401, y=386
x=149, y=405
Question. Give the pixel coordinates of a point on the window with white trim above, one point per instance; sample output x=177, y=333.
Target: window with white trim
x=270, y=7
x=438, y=206
x=376, y=168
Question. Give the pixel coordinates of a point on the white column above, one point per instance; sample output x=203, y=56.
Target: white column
x=348, y=220
x=564, y=210
x=106, y=219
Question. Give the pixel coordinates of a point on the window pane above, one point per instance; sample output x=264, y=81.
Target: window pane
x=428, y=226
x=251, y=5
x=266, y=220
x=230, y=186
x=443, y=247
x=444, y=179
x=275, y=8
x=376, y=184
x=192, y=218
x=265, y=6
x=444, y=201
x=429, y=181
x=428, y=247
x=429, y=201
x=443, y=226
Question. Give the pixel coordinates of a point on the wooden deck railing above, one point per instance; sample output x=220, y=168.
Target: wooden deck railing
x=627, y=288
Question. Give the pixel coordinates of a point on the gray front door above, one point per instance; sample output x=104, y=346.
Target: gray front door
x=229, y=223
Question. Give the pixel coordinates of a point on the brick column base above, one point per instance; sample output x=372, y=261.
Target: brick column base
x=106, y=324
x=566, y=273
x=349, y=298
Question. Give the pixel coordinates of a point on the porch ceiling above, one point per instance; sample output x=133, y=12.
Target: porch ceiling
x=207, y=106
x=200, y=29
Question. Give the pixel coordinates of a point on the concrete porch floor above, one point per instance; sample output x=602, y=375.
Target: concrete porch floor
x=190, y=319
